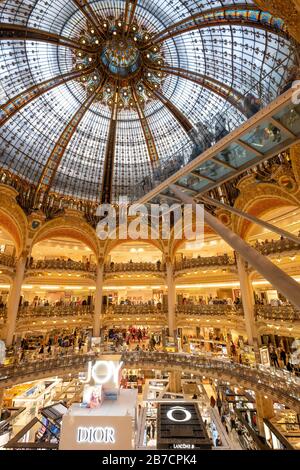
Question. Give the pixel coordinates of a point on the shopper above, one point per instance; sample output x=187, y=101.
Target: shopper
x=232, y=423
x=274, y=359
x=212, y=402
x=219, y=404
x=283, y=356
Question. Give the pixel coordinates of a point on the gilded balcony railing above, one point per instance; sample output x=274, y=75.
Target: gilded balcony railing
x=134, y=267
x=7, y=260
x=277, y=246
x=223, y=260
x=61, y=264
x=280, y=385
x=268, y=312
x=3, y=314
x=50, y=311
x=217, y=310
x=145, y=311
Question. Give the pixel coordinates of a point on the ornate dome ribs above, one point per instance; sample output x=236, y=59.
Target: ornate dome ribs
x=94, y=95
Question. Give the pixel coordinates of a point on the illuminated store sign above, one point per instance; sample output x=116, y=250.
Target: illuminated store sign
x=180, y=426
x=97, y=435
x=103, y=372
x=183, y=415
x=86, y=429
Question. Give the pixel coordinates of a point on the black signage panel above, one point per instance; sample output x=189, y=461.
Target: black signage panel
x=180, y=426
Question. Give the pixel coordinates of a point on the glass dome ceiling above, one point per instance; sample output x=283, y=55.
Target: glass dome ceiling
x=94, y=95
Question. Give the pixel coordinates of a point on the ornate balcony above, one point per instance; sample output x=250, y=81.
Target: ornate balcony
x=134, y=267
x=206, y=262
x=267, y=312
x=282, y=386
x=3, y=314
x=61, y=264
x=7, y=260
x=277, y=246
x=146, y=314
x=217, y=310
x=55, y=311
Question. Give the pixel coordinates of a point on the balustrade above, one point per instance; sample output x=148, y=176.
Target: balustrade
x=277, y=246
x=279, y=384
x=124, y=267
x=223, y=260
x=268, y=312
x=135, y=310
x=3, y=313
x=26, y=312
x=7, y=260
x=218, y=310
x=58, y=264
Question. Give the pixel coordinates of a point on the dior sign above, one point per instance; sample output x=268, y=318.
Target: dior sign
x=95, y=435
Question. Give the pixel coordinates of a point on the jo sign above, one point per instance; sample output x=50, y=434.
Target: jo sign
x=103, y=372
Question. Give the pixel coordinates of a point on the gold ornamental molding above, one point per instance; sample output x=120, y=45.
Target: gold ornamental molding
x=258, y=198
x=295, y=159
x=110, y=244
x=71, y=225
x=288, y=10
x=12, y=218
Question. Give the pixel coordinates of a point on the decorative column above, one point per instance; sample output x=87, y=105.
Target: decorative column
x=14, y=298
x=175, y=382
x=171, y=297
x=264, y=410
x=247, y=295
x=98, y=298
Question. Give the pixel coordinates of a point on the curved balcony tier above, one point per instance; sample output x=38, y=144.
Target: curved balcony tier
x=279, y=385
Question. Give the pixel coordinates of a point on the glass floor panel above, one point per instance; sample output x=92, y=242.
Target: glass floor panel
x=192, y=182
x=265, y=137
x=236, y=155
x=213, y=170
x=290, y=118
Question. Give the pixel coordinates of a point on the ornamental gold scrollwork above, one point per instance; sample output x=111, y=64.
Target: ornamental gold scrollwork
x=257, y=198
x=288, y=10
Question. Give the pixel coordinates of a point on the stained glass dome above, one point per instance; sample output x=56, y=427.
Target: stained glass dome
x=94, y=95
